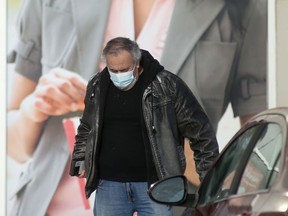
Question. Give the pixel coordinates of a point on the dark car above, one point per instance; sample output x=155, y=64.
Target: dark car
x=250, y=176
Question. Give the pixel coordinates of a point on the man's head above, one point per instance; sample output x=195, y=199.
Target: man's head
x=122, y=57
x=119, y=44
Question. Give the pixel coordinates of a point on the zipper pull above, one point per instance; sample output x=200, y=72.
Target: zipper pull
x=153, y=129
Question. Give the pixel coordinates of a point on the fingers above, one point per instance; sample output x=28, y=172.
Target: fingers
x=65, y=88
x=30, y=108
x=73, y=86
x=57, y=93
x=50, y=108
x=74, y=78
x=38, y=110
x=82, y=174
x=51, y=93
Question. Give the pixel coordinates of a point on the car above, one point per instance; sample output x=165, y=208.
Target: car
x=250, y=176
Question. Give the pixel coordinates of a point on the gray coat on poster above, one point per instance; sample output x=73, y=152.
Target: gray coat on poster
x=201, y=47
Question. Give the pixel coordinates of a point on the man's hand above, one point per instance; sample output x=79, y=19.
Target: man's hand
x=82, y=174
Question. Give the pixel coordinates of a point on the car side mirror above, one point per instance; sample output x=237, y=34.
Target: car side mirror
x=171, y=191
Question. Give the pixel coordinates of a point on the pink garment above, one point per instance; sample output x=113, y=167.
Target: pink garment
x=67, y=200
x=154, y=32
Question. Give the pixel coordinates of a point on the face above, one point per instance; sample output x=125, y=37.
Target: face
x=120, y=63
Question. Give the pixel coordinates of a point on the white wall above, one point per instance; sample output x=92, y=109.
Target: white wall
x=278, y=52
x=2, y=106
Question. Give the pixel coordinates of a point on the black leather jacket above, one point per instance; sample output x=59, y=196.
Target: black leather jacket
x=170, y=113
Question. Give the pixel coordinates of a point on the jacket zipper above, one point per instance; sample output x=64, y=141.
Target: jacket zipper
x=146, y=118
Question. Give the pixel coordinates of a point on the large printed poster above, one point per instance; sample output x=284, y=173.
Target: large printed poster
x=218, y=47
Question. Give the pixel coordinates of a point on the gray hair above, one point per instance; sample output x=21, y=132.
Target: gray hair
x=119, y=44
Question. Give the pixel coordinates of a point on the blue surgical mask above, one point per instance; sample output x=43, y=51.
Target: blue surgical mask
x=122, y=80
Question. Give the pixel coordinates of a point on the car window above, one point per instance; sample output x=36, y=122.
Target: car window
x=263, y=165
x=217, y=183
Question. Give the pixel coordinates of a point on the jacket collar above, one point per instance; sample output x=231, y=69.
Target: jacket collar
x=90, y=25
x=186, y=29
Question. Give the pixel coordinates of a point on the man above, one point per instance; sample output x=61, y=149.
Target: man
x=132, y=131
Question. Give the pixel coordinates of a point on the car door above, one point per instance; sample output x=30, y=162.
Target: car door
x=240, y=180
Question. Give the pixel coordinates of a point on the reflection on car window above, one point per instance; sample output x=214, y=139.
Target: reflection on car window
x=263, y=165
x=218, y=182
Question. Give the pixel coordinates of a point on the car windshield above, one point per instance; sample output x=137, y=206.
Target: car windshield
x=218, y=182
x=263, y=165
x=249, y=164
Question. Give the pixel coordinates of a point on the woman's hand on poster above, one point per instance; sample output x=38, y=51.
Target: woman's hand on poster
x=58, y=92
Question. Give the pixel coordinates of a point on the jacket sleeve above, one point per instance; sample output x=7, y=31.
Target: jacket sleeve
x=81, y=138
x=249, y=91
x=194, y=124
x=78, y=156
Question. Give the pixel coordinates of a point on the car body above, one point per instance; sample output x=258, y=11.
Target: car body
x=250, y=176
